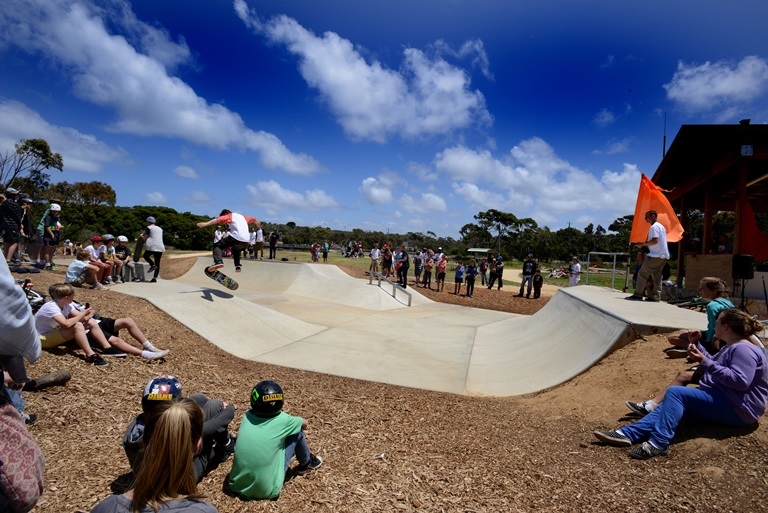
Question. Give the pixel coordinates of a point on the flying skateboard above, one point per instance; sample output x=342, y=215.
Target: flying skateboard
x=222, y=278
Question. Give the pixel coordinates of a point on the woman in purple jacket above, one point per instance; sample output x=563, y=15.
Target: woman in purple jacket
x=732, y=390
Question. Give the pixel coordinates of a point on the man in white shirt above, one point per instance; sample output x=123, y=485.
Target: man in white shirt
x=374, y=267
x=653, y=265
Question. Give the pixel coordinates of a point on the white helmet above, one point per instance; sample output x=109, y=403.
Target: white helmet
x=55, y=207
x=122, y=238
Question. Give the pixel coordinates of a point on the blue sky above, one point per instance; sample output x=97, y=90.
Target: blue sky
x=401, y=115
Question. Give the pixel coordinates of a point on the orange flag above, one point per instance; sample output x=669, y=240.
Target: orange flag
x=651, y=197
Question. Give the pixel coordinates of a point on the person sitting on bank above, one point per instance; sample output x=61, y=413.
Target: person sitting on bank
x=166, y=481
x=733, y=390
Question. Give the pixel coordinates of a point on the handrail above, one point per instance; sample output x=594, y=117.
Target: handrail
x=613, y=269
x=395, y=287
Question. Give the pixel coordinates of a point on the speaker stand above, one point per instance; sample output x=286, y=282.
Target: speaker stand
x=743, y=305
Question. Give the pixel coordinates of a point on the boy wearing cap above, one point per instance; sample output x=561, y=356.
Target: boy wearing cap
x=123, y=254
x=268, y=439
x=529, y=269
x=110, y=256
x=217, y=445
x=574, y=272
x=154, y=247
x=96, y=251
x=10, y=222
x=237, y=237
x=51, y=234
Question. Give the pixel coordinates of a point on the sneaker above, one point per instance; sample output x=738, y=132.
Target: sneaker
x=154, y=355
x=612, y=437
x=112, y=352
x=54, y=268
x=314, y=463
x=47, y=267
x=634, y=298
x=229, y=447
x=99, y=286
x=153, y=280
x=676, y=352
x=96, y=360
x=653, y=299
x=646, y=451
x=237, y=269
x=215, y=267
x=29, y=418
x=151, y=269
x=639, y=408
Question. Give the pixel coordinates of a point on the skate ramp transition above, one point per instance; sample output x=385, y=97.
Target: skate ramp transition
x=316, y=317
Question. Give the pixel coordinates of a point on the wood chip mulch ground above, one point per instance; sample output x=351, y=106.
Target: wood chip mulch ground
x=389, y=448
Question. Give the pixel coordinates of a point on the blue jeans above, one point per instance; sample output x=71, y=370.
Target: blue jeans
x=529, y=280
x=659, y=425
x=296, y=444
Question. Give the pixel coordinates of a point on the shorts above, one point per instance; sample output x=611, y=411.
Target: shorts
x=440, y=276
x=49, y=242
x=107, y=326
x=78, y=282
x=10, y=236
x=458, y=280
x=53, y=338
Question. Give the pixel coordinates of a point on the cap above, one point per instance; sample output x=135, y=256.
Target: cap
x=96, y=238
x=530, y=255
x=11, y=190
x=108, y=237
x=499, y=258
x=122, y=238
x=160, y=389
x=55, y=207
x=25, y=200
x=575, y=258
x=151, y=219
x=439, y=249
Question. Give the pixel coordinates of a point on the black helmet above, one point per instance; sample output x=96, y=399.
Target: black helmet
x=266, y=399
x=159, y=390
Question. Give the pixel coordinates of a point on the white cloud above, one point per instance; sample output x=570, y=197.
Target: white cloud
x=427, y=96
x=422, y=172
x=198, y=198
x=718, y=85
x=108, y=71
x=155, y=198
x=376, y=192
x=604, y=118
x=81, y=152
x=427, y=203
x=533, y=181
x=615, y=146
x=274, y=198
x=186, y=172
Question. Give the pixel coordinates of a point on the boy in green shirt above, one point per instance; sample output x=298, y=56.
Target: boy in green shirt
x=267, y=441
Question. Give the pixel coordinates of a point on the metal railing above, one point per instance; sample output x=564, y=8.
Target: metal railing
x=613, y=268
x=395, y=287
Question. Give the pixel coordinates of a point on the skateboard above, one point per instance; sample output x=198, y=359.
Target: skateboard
x=139, y=249
x=222, y=278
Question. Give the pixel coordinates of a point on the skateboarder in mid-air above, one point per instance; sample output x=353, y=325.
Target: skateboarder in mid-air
x=237, y=238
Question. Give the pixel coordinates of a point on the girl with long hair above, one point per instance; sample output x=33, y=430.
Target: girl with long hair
x=173, y=434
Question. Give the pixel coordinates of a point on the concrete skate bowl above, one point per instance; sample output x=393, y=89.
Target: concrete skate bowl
x=317, y=318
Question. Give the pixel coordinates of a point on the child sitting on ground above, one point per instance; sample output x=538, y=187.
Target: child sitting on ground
x=217, y=443
x=267, y=441
x=81, y=271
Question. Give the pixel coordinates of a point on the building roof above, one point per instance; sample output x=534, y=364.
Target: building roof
x=716, y=154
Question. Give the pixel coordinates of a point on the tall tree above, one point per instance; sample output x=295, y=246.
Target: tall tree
x=30, y=159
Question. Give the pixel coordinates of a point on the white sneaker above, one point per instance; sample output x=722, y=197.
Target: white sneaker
x=157, y=354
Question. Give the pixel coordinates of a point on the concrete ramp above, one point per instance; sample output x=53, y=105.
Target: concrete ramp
x=315, y=317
